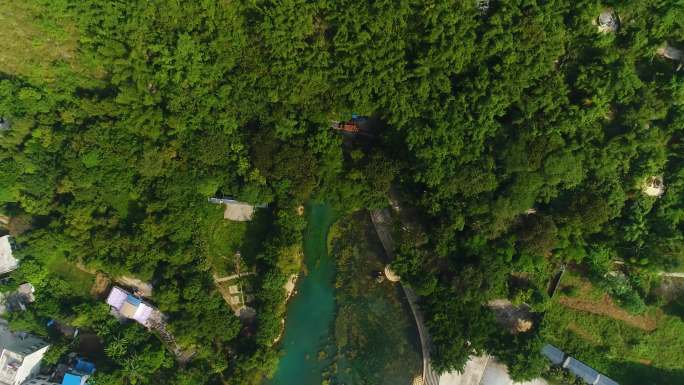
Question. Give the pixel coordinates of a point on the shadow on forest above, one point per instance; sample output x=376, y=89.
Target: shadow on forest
x=632, y=373
x=252, y=245
x=675, y=308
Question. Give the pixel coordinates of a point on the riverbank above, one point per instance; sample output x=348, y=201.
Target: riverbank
x=375, y=337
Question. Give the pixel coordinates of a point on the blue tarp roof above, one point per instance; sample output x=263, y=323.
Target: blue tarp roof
x=84, y=366
x=132, y=300
x=71, y=379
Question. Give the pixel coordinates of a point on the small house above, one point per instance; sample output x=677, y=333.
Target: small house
x=348, y=127
x=17, y=300
x=670, y=52
x=608, y=21
x=79, y=373
x=357, y=125
x=555, y=355
x=126, y=305
x=654, y=186
x=391, y=275
x=7, y=261
x=236, y=211
x=4, y=123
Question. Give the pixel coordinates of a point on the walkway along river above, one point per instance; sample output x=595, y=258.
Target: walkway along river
x=310, y=313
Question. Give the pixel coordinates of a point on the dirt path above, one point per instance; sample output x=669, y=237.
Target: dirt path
x=606, y=307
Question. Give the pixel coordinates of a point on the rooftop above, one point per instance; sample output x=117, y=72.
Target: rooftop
x=19, y=342
x=7, y=260
x=670, y=52
x=236, y=211
x=555, y=355
x=130, y=306
x=74, y=379
x=654, y=186
x=608, y=21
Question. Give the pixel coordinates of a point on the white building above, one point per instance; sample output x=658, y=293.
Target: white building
x=236, y=211
x=21, y=355
x=128, y=306
x=7, y=260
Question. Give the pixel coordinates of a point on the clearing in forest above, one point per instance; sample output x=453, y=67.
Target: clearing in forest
x=592, y=300
x=38, y=44
x=606, y=307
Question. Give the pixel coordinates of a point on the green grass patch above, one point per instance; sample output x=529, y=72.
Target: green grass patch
x=629, y=355
x=574, y=285
x=39, y=42
x=224, y=238
x=80, y=281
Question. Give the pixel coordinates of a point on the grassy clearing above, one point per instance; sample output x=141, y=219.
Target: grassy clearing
x=628, y=354
x=40, y=43
x=80, y=281
x=224, y=238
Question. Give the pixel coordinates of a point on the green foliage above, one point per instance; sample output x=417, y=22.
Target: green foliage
x=141, y=111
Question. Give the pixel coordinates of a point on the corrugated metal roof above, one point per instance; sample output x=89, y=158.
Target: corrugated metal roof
x=117, y=297
x=581, y=370
x=603, y=380
x=554, y=354
x=7, y=260
x=142, y=314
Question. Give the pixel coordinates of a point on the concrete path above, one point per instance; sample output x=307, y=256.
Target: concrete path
x=231, y=277
x=676, y=275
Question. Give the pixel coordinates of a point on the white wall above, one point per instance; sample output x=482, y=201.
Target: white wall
x=31, y=365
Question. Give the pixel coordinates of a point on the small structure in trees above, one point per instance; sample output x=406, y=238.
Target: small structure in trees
x=4, y=123
x=608, y=21
x=555, y=355
x=7, y=261
x=358, y=125
x=654, y=186
x=76, y=372
x=126, y=305
x=391, y=275
x=578, y=368
x=235, y=210
x=347, y=127
x=670, y=52
x=17, y=300
x=483, y=5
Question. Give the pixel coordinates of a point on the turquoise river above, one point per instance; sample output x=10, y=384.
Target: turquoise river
x=310, y=313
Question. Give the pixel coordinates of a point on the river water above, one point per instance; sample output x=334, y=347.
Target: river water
x=311, y=312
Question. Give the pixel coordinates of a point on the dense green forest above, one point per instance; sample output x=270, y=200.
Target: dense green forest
x=520, y=135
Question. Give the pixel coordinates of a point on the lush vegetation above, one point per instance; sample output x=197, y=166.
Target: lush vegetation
x=375, y=335
x=126, y=116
